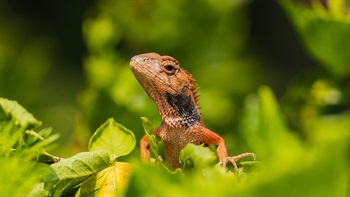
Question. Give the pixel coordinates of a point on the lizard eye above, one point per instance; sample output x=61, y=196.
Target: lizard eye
x=169, y=69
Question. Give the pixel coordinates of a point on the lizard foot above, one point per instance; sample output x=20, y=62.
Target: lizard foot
x=233, y=159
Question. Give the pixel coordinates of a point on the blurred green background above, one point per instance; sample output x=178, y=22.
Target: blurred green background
x=68, y=62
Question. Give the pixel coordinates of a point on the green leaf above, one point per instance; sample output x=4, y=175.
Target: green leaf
x=194, y=157
x=148, y=128
x=111, y=181
x=68, y=173
x=114, y=138
x=249, y=166
x=265, y=127
x=18, y=113
x=147, y=125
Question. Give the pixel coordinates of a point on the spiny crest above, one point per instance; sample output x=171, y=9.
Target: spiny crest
x=193, y=86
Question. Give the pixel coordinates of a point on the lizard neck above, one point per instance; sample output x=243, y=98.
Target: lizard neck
x=178, y=110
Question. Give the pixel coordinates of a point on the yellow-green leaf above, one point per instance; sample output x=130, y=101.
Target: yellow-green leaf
x=111, y=181
x=113, y=138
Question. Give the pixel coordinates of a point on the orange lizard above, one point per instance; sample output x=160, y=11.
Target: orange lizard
x=174, y=92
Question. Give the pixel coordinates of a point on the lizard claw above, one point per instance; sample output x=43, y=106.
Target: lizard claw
x=233, y=159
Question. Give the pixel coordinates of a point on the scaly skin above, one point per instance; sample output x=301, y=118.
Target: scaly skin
x=173, y=91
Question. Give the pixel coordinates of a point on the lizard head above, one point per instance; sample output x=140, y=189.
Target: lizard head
x=169, y=86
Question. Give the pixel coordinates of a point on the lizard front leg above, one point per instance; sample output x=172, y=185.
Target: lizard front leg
x=144, y=149
x=211, y=137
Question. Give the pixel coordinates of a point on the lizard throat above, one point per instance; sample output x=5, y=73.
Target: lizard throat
x=184, y=107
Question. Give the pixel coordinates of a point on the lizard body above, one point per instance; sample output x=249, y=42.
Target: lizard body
x=174, y=92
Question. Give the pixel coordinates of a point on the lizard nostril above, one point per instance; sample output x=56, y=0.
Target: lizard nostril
x=137, y=58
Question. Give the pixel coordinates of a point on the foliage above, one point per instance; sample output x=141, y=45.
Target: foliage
x=94, y=173
x=123, y=140
x=314, y=27
x=21, y=143
x=289, y=165
x=97, y=172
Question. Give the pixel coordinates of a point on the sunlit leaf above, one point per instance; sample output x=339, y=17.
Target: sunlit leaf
x=114, y=138
x=111, y=181
x=70, y=172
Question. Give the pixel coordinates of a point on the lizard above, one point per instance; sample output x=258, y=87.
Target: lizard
x=173, y=90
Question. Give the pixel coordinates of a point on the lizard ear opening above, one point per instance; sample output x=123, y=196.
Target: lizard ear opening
x=183, y=90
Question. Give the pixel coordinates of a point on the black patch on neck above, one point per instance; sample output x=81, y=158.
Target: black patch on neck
x=184, y=106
